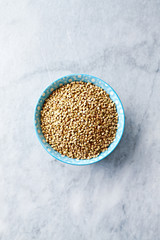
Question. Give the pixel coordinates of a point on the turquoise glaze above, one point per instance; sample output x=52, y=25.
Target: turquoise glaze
x=86, y=78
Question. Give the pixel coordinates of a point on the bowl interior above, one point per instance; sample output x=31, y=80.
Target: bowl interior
x=85, y=78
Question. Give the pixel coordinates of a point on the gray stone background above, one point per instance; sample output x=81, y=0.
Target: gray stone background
x=119, y=197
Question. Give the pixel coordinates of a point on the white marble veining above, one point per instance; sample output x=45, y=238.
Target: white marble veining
x=119, y=197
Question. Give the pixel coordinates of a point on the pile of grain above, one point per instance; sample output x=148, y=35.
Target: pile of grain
x=79, y=120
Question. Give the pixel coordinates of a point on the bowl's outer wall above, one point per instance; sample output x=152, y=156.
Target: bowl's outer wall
x=85, y=78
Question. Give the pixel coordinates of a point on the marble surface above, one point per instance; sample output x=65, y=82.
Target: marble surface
x=119, y=197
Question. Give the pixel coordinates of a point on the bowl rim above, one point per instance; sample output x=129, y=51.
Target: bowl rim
x=85, y=160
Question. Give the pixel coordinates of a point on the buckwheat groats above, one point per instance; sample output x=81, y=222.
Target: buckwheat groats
x=79, y=120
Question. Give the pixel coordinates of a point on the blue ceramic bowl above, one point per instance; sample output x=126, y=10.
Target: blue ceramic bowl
x=86, y=78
